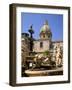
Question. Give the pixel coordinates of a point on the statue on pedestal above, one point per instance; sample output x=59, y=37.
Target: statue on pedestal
x=31, y=31
x=58, y=56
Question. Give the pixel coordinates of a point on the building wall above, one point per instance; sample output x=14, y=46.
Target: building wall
x=37, y=48
x=46, y=45
x=56, y=43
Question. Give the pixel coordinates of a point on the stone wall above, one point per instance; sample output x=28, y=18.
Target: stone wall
x=37, y=48
x=56, y=43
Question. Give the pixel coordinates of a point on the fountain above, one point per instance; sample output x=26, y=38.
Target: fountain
x=41, y=64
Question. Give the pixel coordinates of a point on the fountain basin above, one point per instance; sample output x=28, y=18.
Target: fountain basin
x=58, y=71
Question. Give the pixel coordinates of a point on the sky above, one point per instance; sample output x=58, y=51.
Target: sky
x=55, y=22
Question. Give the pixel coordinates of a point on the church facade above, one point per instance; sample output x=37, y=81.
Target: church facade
x=45, y=42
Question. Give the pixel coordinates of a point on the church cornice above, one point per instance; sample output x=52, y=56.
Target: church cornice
x=48, y=39
x=41, y=39
x=57, y=41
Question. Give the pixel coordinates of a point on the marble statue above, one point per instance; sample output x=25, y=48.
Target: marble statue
x=58, y=56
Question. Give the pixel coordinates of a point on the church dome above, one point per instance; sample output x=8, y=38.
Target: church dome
x=45, y=27
x=45, y=32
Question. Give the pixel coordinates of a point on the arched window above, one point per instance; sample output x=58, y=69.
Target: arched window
x=41, y=44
